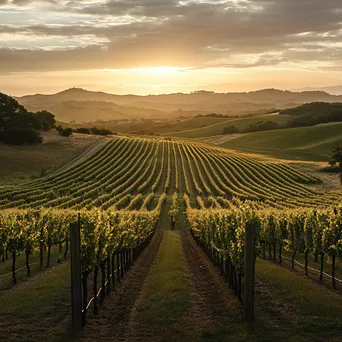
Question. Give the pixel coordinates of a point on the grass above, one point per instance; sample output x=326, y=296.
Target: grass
x=316, y=265
x=305, y=143
x=217, y=129
x=167, y=298
x=38, y=309
x=317, y=309
x=330, y=169
x=6, y=267
x=22, y=163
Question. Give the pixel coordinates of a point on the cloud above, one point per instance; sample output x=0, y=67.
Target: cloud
x=195, y=33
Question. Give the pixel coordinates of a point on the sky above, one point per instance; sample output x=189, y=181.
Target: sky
x=163, y=46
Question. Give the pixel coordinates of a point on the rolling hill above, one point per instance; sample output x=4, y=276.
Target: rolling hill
x=87, y=111
x=333, y=90
x=217, y=127
x=189, y=124
x=306, y=143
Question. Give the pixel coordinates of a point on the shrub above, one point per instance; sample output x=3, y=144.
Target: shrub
x=82, y=130
x=97, y=131
x=262, y=126
x=230, y=130
x=65, y=132
x=20, y=136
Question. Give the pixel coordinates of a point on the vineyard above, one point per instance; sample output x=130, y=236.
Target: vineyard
x=128, y=176
x=132, y=173
x=119, y=193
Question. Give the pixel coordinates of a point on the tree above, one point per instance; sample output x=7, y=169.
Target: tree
x=47, y=120
x=82, y=130
x=336, y=159
x=262, y=126
x=17, y=125
x=230, y=130
x=65, y=132
x=21, y=136
x=101, y=131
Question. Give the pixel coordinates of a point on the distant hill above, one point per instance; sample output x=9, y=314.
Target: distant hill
x=87, y=111
x=333, y=90
x=69, y=104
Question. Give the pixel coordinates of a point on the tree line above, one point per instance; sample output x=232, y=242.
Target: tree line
x=66, y=132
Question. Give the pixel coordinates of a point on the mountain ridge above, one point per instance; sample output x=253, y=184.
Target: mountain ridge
x=68, y=104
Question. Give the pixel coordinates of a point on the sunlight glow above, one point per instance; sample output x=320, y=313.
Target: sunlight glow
x=160, y=70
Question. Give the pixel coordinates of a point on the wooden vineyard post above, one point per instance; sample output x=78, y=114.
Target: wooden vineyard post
x=249, y=272
x=75, y=262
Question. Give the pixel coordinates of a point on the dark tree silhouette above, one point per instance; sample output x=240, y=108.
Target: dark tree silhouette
x=47, y=120
x=230, y=130
x=65, y=132
x=336, y=159
x=17, y=125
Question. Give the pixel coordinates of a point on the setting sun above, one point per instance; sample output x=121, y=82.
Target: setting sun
x=160, y=70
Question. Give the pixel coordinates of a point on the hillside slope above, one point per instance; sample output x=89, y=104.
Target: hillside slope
x=189, y=124
x=19, y=163
x=217, y=128
x=307, y=143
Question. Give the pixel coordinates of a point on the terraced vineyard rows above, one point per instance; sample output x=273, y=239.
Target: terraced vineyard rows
x=126, y=172
x=137, y=175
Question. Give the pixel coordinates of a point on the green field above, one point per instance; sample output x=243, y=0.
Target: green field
x=305, y=143
x=22, y=163
x=217, y=128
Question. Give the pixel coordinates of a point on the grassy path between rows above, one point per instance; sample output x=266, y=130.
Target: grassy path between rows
x=165, y=299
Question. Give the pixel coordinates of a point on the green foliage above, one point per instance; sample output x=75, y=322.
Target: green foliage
x=230, y=130
x=65, y=132
x=298, y=229
x=330, y=169
x=97, y=131
x=20, y=136
x=262, y=126
x=173, y=212
x=18, y=126
x=314, y=113
x=46, y=119
x=101, y=231
x=336, y=160
x=82, y=130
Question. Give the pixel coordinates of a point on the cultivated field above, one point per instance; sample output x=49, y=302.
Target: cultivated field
x=133, y=172
x=130, y=190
